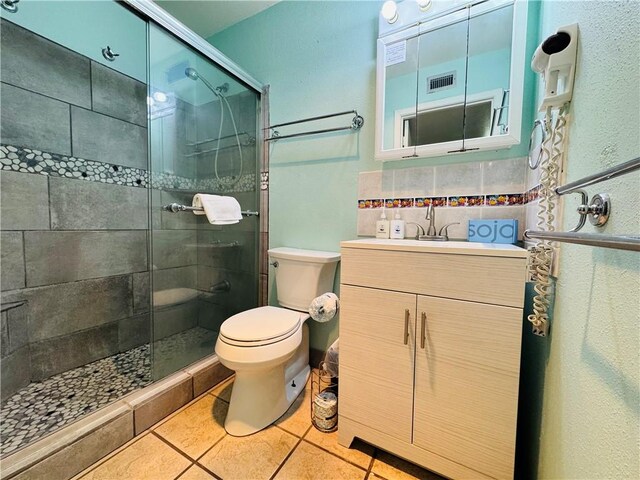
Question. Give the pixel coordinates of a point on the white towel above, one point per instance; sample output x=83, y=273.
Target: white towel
x=324, y=307
x=218, y=209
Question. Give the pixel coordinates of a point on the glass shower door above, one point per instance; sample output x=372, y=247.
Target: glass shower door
x=203, y=130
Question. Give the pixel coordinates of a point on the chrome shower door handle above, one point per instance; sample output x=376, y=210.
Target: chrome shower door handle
x=423, y=324
x=406, y=326
x=109, y=54
x=10, y=5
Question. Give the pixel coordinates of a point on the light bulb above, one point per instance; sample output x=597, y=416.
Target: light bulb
x=424, y=4
x=390, y=11
x=160, y=96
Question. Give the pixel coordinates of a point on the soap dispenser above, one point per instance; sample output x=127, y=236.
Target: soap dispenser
x=382, y=226
x=397, y=226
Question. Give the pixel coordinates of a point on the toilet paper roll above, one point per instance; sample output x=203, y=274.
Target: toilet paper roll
x=324, y=307
x=325, y=410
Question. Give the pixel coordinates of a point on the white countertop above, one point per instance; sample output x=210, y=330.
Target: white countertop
x=450, y=247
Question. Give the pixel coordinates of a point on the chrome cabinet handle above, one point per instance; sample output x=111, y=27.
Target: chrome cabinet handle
x=423, y=322
x=406, y=326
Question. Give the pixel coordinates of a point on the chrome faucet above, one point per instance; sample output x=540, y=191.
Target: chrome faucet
x=432, y=233
x=431, y=216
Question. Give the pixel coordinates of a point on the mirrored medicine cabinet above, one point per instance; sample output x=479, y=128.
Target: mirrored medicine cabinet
x=452, y=81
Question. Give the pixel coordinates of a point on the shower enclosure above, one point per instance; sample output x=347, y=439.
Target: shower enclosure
x=107, y=117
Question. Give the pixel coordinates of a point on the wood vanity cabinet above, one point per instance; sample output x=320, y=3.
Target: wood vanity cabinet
x=430, y=352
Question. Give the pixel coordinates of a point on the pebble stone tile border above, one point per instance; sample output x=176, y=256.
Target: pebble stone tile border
x=43, y=407
x=27, y=160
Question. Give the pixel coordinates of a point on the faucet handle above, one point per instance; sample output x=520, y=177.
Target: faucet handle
x=419, y=229
x=444, y=231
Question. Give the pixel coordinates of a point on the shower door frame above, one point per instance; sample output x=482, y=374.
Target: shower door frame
x=153, y=12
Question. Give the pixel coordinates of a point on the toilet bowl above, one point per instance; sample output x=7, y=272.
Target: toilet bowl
x=268, y=347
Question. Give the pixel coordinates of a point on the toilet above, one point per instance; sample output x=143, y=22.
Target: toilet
x=268, y=347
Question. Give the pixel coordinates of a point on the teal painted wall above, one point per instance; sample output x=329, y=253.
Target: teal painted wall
x=320, y=57
x=87, y=27
x=591, y=405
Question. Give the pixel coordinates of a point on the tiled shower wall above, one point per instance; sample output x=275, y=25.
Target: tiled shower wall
x=459, y=192
x=74, y=152
x=74, y=209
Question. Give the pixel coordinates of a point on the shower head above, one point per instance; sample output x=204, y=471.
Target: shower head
x=191, y=73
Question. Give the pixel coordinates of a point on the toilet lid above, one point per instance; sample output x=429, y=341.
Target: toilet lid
x=261, y=325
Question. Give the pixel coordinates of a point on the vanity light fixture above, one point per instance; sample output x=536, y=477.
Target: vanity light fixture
x=390, y=11
x=424, y=4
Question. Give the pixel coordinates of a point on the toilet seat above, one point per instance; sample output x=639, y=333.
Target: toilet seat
x=261, y=326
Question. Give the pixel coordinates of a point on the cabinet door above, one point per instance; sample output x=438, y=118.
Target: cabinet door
x=466, y=385
x=377, y=340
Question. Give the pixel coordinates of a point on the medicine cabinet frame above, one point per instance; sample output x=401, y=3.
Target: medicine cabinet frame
x=515, y=93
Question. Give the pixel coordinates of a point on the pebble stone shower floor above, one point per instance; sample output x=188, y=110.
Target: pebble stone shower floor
x=43, y=407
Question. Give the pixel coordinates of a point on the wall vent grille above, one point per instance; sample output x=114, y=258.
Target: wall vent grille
x=441, y=82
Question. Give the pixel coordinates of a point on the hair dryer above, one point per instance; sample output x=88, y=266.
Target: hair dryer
x=555, y=59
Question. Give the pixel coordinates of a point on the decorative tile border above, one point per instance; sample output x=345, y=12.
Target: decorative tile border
x=455, y=201
x=532, y=194
x=505, y=200
x=167, y=181
x=26, y=160
x=421, y=202
x=398, y=203
x=375, y=203
x=466, y=201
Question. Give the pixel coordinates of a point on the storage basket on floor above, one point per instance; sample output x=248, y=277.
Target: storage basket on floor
x=324, y=400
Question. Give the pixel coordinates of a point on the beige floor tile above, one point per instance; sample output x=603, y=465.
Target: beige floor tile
x=360, y=453
x=148, y=458
x=308, y=462
x=394, y=468
x=196, y=473
x=297, y=419
x=195, y=429
x=223, y=390
x=252, y=457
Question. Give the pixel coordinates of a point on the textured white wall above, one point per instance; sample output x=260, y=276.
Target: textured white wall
x=591, y=410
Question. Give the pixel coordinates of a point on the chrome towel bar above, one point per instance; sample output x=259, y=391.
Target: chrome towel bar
x=621, y=169
x=176, y=207
x=620, y=242
x=598, y=209
x=356, y=124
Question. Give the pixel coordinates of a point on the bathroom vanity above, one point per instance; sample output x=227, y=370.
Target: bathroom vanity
x=430, y=338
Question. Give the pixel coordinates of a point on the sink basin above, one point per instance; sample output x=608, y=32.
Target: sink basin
x=434, y=246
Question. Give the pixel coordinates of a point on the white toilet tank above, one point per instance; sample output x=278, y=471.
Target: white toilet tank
x=302, y=275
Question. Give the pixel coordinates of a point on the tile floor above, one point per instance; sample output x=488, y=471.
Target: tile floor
x=191, y=444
